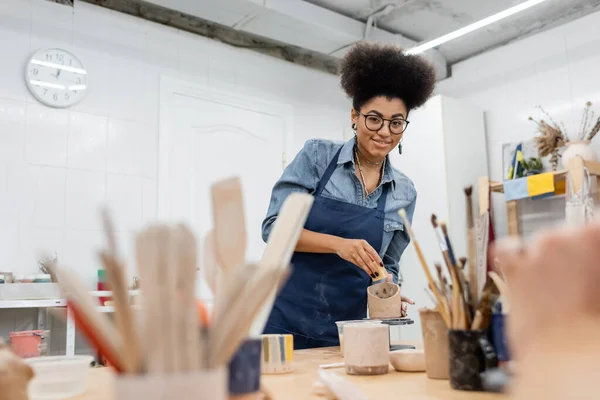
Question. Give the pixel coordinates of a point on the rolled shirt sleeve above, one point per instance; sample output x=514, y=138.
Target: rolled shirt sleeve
x=400, y=241
x=299, y=176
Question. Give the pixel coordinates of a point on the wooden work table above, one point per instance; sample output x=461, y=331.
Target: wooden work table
x=298, y=385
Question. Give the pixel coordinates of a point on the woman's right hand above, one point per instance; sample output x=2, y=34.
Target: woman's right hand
x=360, y=253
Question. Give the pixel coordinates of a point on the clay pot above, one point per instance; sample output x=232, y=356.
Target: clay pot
x=384, y=300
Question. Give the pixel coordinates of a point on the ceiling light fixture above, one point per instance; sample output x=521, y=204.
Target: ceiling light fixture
x=473, y=27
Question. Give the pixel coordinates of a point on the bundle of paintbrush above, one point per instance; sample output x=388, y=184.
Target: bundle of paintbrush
x=451, y=291
x=171, y=332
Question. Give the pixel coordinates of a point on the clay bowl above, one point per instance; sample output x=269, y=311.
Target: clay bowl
x=408, y=360
x=384, y=300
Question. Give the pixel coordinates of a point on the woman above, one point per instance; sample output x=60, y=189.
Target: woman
x=353, y=227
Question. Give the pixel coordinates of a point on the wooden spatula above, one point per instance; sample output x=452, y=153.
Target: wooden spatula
x=281, y=245
x=229, y=223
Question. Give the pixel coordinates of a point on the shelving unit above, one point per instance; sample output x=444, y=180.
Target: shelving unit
x=43, y=304
x=576, y=169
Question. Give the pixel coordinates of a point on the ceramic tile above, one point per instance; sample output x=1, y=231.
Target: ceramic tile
x=14, y=41
x=96, y=100
x=132, y=148
x=81, y=254
x=85, y=194
x=49, y=197
x=46, y=136
x=34, y=243
x=87, y=141
x=127, y=90
x=51, y=25
x=149, y=201
x=124, y=197
x=9, y=246
x=12, y=130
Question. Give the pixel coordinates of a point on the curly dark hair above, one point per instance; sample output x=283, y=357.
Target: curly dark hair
x=370, y=70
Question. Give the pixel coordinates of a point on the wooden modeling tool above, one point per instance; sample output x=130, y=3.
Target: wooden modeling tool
x=124, y=316
x=428, y=275
x=503, y=288
x=229, y=223
x=209, y=262
x=281, y=245
x=94, y=325
x=472, y=248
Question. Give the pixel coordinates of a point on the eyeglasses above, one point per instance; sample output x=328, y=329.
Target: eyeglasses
x=375, y=122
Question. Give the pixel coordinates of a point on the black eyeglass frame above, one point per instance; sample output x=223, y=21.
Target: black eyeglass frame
x=383, y=122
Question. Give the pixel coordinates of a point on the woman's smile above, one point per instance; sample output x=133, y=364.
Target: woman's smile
x=381, y=144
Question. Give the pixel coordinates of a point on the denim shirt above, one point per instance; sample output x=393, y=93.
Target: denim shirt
x=305, y=171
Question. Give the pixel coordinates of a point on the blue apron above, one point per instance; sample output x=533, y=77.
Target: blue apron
x=324, y=288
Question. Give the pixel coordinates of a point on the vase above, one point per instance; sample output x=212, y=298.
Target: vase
x=580, y=148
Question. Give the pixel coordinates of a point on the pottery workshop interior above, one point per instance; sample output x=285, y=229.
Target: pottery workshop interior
x=374, y=199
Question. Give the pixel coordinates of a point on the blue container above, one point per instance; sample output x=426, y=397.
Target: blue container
x=499, y=337
x=244, y=368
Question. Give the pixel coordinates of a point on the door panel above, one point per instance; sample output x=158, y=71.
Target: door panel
x=209, y=135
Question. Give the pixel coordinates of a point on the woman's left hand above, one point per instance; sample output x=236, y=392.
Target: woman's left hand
x=405, y=302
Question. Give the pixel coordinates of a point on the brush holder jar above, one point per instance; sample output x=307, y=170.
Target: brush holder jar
x=366, y=349
x=197, y=385
x=435, y=344
x=384, y=300
x=470, y=354
x=244, y=370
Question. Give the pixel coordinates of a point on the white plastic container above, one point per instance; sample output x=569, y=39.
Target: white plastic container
x=59, y=377
x=340, y=326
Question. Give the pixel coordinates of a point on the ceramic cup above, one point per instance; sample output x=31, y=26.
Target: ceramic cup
x=384, y=300
x=470, y=354
x=277, y=354
x=199, y=385
x=435, y=344
x=499, y=337
x=366, y=349
x=244, y=369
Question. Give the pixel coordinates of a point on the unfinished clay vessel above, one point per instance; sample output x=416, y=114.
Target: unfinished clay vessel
x=15, y=375
x=384, y=300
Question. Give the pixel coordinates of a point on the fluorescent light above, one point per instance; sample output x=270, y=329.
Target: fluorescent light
x=77, y=87
x=58, y=66
x=474, y=26
x=47, y=84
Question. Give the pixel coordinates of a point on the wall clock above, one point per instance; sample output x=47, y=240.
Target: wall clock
x=56, y=78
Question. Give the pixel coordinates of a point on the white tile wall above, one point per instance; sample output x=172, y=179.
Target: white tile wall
x=557, y=69
x=58, y=166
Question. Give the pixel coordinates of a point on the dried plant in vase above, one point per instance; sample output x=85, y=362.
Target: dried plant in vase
x=46, y=264
x=553, y=136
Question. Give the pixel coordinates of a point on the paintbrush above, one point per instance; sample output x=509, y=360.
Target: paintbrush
x=503, y=288
x=472, y=248
x=484, y=310
x=442, y=243
x=428, y=275
x=455, y=304
x=462, y=261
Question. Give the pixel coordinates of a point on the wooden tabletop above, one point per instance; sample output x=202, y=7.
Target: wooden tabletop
x=298, y=385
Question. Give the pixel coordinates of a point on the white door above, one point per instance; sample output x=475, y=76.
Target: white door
x=207, y=135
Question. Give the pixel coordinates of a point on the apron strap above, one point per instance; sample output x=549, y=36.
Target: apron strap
x=383, y=197
x=329, y=171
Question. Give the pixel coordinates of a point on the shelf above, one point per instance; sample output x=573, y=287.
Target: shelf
x=559, y=176
x=44, y=303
